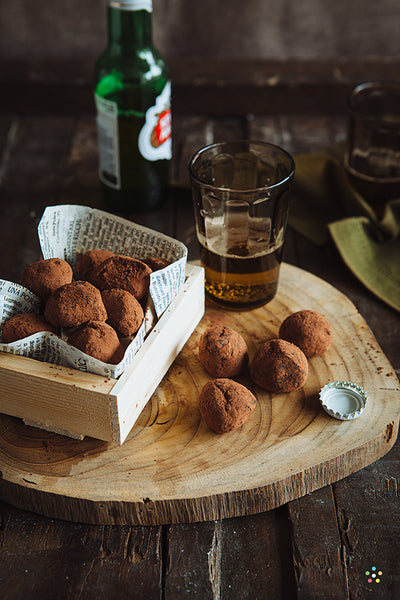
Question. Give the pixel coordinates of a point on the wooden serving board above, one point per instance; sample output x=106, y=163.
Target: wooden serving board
x=172, y=468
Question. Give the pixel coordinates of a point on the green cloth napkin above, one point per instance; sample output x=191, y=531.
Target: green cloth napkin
x=325, y=204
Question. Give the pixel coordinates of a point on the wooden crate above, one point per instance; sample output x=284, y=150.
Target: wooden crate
x=79, y=404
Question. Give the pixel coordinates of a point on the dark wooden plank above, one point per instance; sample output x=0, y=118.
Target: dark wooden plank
x=246, y=558
x=368, y=510
x=36, y=151
x=192, y=562
x=299, y=134
x=78, y=179
x=188, y=135
x=46, y=559
x=317, y=552
x=256, y=560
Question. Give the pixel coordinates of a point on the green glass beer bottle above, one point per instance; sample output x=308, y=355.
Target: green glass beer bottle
x=132, y=95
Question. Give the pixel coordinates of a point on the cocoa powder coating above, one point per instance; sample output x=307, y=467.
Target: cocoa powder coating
x=156, y=263
x=75, y=303
x=99, y=340
x=279, y=366
x=309, y=330
x=125, y=273
x=44, y=276
x=23, y=325
x=89, y=261
x=125, y=313
x=225, y=404
x=223, y=352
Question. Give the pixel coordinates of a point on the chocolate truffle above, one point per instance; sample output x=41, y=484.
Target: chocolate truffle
x=87, y=263
x=125, y=313
x=279, y=366
x=309, y=330
x=225, y=404
x=75, y=303
x=156, y=263
x=23, y=325
x=44, y=276
x=223, y=352
x=99, y=340
x=125, y=273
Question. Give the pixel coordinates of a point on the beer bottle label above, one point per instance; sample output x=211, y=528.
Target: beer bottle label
x=155, y=136
x=107, y=129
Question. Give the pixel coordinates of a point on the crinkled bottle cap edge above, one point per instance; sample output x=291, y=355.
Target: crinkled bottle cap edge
x=343, y=400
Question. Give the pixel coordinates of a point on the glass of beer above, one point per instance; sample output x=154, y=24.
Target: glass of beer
x=241, y=197
x=372, y=158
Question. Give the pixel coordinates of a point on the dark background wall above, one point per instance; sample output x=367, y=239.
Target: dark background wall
x=279, y=29
x=208, y=42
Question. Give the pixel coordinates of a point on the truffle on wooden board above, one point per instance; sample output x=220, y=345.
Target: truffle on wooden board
x=125, y=273
x=225, y=404
x=44, y=276
x=23, y=325
x=125, y=313
x=279, y=366
x=309, y=330
x=223, y=352
x=75, y=303
x=88, y=261
x=99, y=340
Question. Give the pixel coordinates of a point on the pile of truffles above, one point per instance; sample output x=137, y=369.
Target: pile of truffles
x=103, y=304
x=279, y=365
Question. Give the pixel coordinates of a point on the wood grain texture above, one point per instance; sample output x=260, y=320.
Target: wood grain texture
x=172, y=468
x=317, y=551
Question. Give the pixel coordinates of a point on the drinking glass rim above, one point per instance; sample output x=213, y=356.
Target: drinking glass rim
x=393, y=86
x=238, y=190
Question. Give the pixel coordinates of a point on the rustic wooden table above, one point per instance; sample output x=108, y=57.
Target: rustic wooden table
x=318, y=546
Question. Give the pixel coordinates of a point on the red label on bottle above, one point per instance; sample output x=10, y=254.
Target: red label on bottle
x=155, y=136
x=162, y=131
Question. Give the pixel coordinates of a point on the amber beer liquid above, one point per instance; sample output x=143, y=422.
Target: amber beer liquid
x=240, y=193
x=239, y=280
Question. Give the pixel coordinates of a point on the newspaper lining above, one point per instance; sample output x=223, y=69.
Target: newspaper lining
x=65, y=232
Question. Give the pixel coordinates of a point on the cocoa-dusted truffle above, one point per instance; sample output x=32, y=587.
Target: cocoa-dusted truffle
x=156, y=263
x=125, y=313
x=225, y=404
x=125, y=273
x=99, y=340
x=87, y=263
x=75, y=303
x=279, y=366
x=23, y=325
x=309, y=330
x=44, y=276
x=223, y=352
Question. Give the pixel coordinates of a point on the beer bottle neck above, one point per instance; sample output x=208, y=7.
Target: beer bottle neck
x=129, y=30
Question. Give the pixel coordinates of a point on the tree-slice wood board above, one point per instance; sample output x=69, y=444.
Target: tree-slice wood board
x=172, y=468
